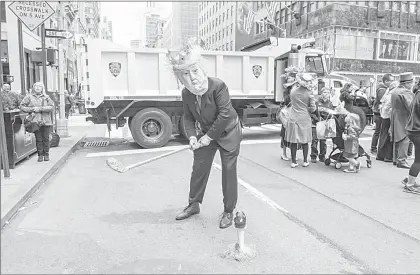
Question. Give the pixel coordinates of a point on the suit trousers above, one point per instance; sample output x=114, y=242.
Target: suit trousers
x=203, y=159
x=401, y=151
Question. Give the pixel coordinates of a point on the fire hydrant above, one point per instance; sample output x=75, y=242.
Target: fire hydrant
x=240, y=225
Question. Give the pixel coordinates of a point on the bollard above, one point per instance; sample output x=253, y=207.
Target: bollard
x=239, y=251
x=240, y=224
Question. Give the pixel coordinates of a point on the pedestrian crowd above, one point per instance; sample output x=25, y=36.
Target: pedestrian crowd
x=305, y=119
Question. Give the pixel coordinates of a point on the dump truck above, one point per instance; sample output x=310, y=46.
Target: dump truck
x=138, y=87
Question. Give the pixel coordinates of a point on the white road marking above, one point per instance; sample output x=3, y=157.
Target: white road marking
x=169, y=148
x=254, y=191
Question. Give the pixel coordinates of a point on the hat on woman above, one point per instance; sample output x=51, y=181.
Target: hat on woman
x=309, y=81
x=291, y=72
x=406, y=77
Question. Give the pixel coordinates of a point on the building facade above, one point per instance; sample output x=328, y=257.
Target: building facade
x=216, y=25
x=365, y=39
x=153, y=26
x=135, y=44
x=106, y=29
x=92, y=18
x=73, y=18
x=182, y=25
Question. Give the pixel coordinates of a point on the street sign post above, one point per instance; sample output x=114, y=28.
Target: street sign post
x=31, y=13
x=61, y=34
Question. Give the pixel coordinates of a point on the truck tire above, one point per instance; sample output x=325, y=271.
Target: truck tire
x=151, y=128
x=129, y=122
x=182, y=128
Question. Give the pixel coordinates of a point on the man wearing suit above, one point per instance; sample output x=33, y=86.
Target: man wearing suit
x=206, y=100
x=401, y=100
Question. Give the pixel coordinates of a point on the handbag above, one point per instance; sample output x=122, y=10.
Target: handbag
x=283, y=115
x=30, y=125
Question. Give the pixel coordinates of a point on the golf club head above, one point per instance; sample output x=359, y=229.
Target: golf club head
x=116, y=165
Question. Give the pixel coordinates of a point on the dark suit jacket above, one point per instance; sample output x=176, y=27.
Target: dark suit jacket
x=218, y=119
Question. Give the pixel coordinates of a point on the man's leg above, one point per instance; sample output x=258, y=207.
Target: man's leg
x=203, y=159
x=402, y=146
x=229, y=184
x=375, y=138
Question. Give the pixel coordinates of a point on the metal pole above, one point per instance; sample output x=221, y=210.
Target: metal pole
x=44, y=57
x=3, y=145
x=62, y=128
x=21, y=58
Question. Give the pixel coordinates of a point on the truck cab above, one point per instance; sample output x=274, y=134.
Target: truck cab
x=305, y=56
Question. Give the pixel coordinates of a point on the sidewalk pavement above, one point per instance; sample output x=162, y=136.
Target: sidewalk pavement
x=29, y=175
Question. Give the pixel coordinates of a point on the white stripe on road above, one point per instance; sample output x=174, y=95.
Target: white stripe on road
x=254, y=191
x=169, y=148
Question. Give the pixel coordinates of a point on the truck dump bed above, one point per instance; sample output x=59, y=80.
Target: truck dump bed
x=144, y=74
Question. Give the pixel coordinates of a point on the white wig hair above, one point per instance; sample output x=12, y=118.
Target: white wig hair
x=188, y=55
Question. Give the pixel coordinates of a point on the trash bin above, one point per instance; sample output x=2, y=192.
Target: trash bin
x=20, y=144
x=82, y=108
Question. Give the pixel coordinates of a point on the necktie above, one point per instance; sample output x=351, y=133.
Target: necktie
x=198, y=104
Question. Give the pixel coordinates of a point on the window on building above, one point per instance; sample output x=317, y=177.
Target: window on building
x=220, y=19
x=231, y=28
x=227, y=13
x=311, y=7
x=217, y=21
x=231, y=11
x=277, y=18
x=231, y=45
x=404, y=6
x=3, y=11
x=394, y=46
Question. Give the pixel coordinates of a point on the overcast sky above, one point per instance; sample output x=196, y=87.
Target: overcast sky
x=125, y=17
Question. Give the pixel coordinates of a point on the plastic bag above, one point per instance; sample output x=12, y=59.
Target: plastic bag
x=326, y=129
x=283, y=115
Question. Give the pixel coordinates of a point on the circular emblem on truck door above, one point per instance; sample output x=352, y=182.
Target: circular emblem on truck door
x=115, y=68
x=256, y=70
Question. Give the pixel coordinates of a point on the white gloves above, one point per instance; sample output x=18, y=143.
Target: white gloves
x=204, y=140
x=194, y=144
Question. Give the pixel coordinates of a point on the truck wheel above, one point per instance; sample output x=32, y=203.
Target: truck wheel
x=129, y=122
x=151, y=128
x=182, y=129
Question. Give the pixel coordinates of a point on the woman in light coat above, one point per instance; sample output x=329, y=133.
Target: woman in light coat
x=299, y=125
x=41, y=105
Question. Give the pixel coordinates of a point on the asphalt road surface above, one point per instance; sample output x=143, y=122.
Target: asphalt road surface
x=90, y=219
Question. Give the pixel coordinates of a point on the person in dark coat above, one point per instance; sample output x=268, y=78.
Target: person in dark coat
x=401, y=99
x=206, y=100
x=413, y=132
x=387, y=79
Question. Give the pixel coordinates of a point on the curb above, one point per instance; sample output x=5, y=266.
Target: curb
x=9, y=215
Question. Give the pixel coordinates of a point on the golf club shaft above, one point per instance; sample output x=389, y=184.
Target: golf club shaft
x=158, y=157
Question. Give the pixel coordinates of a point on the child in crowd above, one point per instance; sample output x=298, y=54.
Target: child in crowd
x=322, y=103
x=351, y=142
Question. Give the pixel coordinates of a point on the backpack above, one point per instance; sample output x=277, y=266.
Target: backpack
x=54, y=139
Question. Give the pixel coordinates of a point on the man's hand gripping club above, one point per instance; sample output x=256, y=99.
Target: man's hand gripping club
x=204, y=141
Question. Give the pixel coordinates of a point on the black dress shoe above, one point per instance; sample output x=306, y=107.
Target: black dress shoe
x=387, y=160
x=403, y=165
x=46, y=158
x=380, y=159
x=226, y=220
x=190, y=210
x=40, y=158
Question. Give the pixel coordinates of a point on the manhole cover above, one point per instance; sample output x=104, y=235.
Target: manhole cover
x=96, y=144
